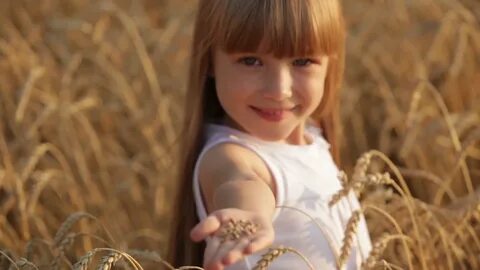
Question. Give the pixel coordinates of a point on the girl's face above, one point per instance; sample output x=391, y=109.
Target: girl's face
x=268, y=97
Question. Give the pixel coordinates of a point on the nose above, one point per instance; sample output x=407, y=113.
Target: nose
x=279, y=83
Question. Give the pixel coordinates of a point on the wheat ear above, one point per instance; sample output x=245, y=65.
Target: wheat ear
x=84, y=261
x=109, y=261
x=350, y=231
x=274, y=253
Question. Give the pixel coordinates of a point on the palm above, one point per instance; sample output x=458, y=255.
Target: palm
x=233, y=236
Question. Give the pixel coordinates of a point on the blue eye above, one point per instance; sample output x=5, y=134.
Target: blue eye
x=250, y=61
x=302, y=62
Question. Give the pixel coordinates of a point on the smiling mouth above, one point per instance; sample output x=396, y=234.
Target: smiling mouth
x=272, y=111
x=273, y=115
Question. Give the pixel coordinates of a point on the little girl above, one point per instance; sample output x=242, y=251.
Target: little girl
x=259, y=142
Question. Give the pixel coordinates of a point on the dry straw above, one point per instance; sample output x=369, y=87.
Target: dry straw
x=109, y=261
x=348, y=239
x=84, y=261
x=23, y=263
x=67, y=225
x=274, y=253
x=89, y=108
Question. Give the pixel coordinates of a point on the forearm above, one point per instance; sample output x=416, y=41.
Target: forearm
x=250, y=195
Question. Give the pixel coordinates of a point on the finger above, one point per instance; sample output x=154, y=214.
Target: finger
x=203, y=229
x=213, y=244
x=237, y=252
x=223, y=249
x=225, y=215
x=259, y=243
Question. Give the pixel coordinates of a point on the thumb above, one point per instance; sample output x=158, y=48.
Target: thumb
x=205, y=228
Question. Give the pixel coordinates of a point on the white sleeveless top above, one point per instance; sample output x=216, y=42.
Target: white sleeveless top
x=305, y=177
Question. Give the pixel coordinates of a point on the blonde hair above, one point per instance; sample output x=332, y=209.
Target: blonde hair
x=290, y=28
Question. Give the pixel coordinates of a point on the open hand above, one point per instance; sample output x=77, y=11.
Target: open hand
x=223, y=249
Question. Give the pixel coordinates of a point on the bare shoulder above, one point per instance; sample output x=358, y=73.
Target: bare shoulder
x=230, y=162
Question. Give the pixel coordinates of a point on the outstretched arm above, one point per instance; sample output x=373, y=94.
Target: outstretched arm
x=236, y=186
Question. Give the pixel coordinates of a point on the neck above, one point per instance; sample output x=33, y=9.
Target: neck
x=297, y=137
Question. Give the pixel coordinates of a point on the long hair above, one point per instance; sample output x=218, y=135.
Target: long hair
x=291, y=28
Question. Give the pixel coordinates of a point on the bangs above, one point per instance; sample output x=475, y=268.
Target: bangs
x=285, y=28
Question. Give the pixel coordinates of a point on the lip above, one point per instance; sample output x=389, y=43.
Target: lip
x=272, y=115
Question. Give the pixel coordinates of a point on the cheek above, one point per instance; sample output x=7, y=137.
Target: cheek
x=312, y=92
x=223, y=82
x=234, y=85
x=231, y=93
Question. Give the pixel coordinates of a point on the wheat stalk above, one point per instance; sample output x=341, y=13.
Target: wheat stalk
x=358, y=185
x=350, y=231
x=152, y=256
x=343, y=177
x=274, y=253
x=23, y=263
x=67, y=225
x=51, y=79
x=376, y=252
x=362, y=164
x=378, y=248
x=29, y=247
x=109, y=261
x=84, y=261
x=327, y=236
x=398, y=229
x=66, y=243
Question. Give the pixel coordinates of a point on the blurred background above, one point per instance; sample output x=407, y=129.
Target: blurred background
x=91, y=96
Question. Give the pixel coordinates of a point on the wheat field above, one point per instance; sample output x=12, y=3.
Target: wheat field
x=91, y=96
